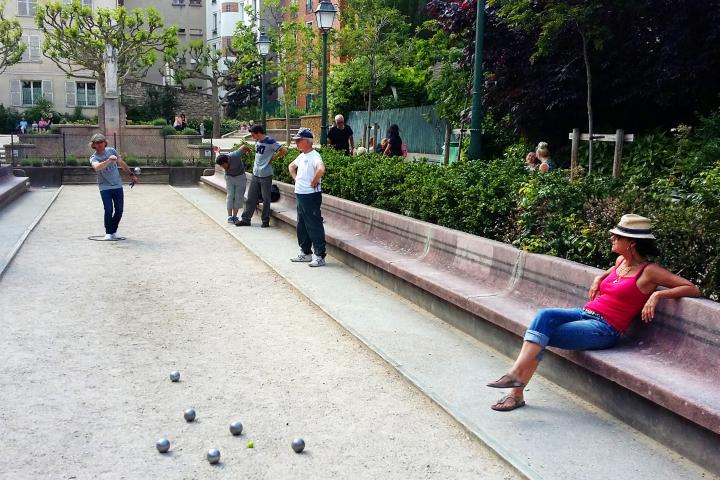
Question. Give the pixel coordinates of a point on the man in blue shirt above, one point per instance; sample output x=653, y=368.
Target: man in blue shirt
x=105, y=162
x=266, y=150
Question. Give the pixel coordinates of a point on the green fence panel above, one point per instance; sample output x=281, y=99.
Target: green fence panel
x=421, y=130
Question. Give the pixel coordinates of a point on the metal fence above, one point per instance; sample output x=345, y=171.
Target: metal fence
x=72, y=150
x=421, y=130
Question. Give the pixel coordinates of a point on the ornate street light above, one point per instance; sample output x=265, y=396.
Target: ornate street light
x=475, y=148
x=263, y=48
x=325, y=15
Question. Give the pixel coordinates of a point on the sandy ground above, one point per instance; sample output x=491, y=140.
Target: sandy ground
x=90, y=331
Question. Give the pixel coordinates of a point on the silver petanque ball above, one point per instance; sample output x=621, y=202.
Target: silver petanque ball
x=298, y=445
x=137, y=170
x=174, y=376
x=236, y=428
x=163, y=445
x=189, y=415
x=213, y=456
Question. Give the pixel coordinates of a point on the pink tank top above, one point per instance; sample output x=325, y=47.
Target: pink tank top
x=619, y=301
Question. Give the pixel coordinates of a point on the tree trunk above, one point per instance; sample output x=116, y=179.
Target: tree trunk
x=287, y=118
x=215, y=109
x=588, y=75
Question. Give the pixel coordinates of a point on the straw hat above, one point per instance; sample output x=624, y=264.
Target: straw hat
x=633, y=226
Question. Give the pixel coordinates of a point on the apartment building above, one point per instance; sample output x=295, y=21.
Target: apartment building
x=36, y=76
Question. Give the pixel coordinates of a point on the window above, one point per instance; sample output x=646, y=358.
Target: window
x=26, y=8
x=178, y=3
x=214, y=23
x=181, y=31
x=85, y=3
x=32, y=91
x=196, y=31
x=196, y=3
x=32, y=52
x=308, y=70
x=308, y=6
x=86, y=94
x=308, y=24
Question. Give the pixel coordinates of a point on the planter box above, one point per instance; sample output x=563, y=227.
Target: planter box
x=85, y=175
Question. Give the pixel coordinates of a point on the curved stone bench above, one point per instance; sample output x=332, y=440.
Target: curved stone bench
x=11, y=186
x=674, y=362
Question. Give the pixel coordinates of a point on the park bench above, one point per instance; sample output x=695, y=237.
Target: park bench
x=673, y=363
x=11, y=186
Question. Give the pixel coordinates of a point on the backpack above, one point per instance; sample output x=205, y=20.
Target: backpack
x=274, y=194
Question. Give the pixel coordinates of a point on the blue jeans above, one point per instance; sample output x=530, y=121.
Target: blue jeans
x=571, y=329
x=310, y=229
x=112, y=198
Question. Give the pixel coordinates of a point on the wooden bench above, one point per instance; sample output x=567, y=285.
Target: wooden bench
x=11, y=186
x=673, y=363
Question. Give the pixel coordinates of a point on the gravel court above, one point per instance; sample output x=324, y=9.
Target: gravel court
x=92, y=329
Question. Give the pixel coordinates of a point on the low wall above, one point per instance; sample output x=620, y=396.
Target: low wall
x=56, y=176
x=313, y=122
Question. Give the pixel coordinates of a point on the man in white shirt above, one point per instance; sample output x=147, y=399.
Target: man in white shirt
x=307, y=170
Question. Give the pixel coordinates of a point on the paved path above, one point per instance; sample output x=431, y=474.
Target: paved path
x=556, y=436
x=90, y=331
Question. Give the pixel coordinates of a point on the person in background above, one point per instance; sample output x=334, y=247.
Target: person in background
x=394, y=146
x=177, y=123
x=382, y=146
x=183, y=121
x=35, y=126
x=543, y=154
x=43, y=124
x=340, y=136
x=23, y=125
x=235, y=180
x=531, y=161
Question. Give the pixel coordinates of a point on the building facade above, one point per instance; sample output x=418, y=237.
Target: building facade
x=36, y=76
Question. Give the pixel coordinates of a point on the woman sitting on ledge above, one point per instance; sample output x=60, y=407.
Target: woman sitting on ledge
x=616, y=298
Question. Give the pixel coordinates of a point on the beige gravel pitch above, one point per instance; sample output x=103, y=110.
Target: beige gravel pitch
x=90, y=331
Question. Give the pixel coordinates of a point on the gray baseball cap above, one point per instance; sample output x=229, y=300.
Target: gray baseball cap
x=98, y=137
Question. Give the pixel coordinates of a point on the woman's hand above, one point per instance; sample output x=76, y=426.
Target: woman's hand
x=648, y=311
x=594, y=288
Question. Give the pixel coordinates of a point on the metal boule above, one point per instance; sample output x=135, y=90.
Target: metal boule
x=163, y=445
x=236, y=428
x=189, y=415
x=213, y=456
x=174, y=376
x=298, y=445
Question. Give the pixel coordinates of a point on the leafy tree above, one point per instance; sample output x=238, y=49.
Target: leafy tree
x=77, y=38
x=11, y=49
x=294, y=46
x=374, y=36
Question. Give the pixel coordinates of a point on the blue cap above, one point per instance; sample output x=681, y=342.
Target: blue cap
x=303, y=133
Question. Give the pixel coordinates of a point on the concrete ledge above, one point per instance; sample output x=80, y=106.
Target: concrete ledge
x=492, y=291
x=11, y=186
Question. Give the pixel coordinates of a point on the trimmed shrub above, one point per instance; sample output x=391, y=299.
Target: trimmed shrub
x=176, y=163
x=189, y=131
x=168, y=130
x=71, y=162
x=159, y=122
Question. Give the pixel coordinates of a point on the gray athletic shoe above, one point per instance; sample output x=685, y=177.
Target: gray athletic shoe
x=232, y=219
x=117, y=236
x=317, y=262
x=302, y=257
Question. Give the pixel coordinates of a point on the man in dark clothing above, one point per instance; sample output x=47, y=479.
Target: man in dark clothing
x=340, y=136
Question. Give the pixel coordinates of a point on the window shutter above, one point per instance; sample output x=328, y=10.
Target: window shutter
x=26, y=54
x=70, y=94
x=34, y=47
x=15, y=93
x=22, y=6
x=47, y=90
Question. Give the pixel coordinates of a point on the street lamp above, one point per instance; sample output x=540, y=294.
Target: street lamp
x=475, y=149
x=263, y=48
x=325, y=15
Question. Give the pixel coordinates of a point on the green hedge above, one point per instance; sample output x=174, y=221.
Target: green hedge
x=548, y=213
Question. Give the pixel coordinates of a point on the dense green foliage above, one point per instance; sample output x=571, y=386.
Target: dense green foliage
x=673, y=180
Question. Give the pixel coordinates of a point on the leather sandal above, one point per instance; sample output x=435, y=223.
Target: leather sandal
x=508, y=403
x=506, y=381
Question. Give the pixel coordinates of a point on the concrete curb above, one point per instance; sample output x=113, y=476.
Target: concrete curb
x=4, y=263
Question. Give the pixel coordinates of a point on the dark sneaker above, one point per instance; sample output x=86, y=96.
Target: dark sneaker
x=265, y=225
x=232, y=219
x=242, y=223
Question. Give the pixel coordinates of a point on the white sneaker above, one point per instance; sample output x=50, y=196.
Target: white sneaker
x=302, y=257
x=108, y=236
x=317, y=262
x=117, y=236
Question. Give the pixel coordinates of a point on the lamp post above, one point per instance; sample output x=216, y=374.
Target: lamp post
x=475, y=149
x=325, y=15
x=263, y=48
